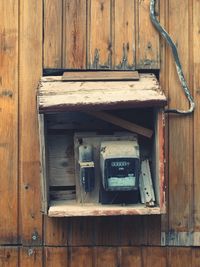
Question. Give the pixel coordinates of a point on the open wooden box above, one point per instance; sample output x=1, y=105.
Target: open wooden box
x=71, y=109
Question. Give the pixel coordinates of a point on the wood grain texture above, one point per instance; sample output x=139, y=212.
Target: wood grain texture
x=147, y=39
x=164, y=50
x=99, y=41
x=123, y=28
x=56, y=257
x=107, y=231
x=57, y=231
x=74, y=34
x=130, y=232
x=80, y=257
x=180, y=128
x=53, y=27
x=61, y=160
x=152, y=225
x=130, y=126
x=9, y=256
x=180, y=257
x=9, y=122
x=76, y=229
x=43, y=161
x=31, y=257
x=75, y=96
x=195, y=257
x=196, y=84
x=101, y=32
x=106, y=257
x=101, y=76
x=30, y=52
x=60, y=232
x=70, y=208
x=131, y=257
x=154, y=256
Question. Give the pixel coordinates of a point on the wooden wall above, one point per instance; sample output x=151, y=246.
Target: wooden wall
x=99, y=34
x=73, y=30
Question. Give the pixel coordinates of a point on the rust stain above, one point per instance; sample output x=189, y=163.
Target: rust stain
x=161, y=158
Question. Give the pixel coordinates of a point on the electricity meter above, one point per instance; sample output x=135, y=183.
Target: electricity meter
x=120, y=165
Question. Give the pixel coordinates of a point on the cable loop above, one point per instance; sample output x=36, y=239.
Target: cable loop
x=182, y=79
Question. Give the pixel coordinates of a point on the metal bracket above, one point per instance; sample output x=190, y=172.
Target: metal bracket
x=146, y=186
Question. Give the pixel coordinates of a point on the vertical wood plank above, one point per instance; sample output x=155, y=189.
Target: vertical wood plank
x=123, y=22
x=107, y=231
x=180, y=257
x=56, y=257
x=131, y=257
x=53, y=33
x=195, y=257
x=31, y=257
x=9, y=121
x=147, y=43
x=82, y=231
x=180, y=128
x=74, y=43
x=81, y=257
x=30, y=73
x=56, y=231
x=9, y=257
x=106, y=257
x=154, y=256
x=99, y=44
x=133, y=231
x=164, y=49
x=153, y=226
x=196, y=84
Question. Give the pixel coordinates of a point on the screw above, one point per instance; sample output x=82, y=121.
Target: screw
x=35, y=236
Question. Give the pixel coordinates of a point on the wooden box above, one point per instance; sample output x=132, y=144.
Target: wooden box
x=68, y=109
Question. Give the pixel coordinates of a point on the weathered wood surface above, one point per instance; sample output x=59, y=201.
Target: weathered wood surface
x=181, y=141
x=53, y=32
x=130, y=126
x=71, y=209
x=56, y=257
x=29, y=157
x=9, y=256
x=31, y=257
x=73, y=35
x=101, y=76
x=163, y=224
x=44, y=165
x=9, y=77
x=184, y=217
x=99, y=256
x=99, y=42
x=147, y=39
x=123, y=34
x=195, y=48
x=61, y=160
x=61, y=96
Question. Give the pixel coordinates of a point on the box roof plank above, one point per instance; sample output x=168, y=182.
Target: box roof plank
x=55, y=95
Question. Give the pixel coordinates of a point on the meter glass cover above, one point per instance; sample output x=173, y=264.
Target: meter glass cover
x=121, y=173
